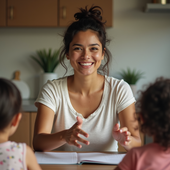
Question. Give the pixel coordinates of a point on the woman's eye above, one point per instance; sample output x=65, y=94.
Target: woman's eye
x=77, y=48
x=94, y=49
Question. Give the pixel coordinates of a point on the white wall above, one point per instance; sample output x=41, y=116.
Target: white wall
x=138, y=40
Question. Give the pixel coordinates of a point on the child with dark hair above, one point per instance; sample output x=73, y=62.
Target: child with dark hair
x=12, y=155
x=154, y=116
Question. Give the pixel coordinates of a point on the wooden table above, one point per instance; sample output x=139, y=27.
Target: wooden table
x=78, y=167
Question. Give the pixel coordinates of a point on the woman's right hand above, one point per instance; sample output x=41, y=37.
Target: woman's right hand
x=72, y=135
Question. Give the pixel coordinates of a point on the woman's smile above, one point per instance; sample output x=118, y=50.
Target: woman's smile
x=86, y=65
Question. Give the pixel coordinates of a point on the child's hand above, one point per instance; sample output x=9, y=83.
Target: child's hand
x=123, y=136
x=72, y=134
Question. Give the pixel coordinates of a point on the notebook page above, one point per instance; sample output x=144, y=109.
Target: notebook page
x=100, y=158
x=56, y=157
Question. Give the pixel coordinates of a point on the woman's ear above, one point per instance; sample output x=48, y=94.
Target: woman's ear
x=103, y=53
x=67, y=56
x=16, y=119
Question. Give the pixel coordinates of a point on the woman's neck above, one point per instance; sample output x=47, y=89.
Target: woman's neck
x=85, y=84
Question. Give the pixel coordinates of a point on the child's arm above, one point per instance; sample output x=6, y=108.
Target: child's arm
x=31, y=160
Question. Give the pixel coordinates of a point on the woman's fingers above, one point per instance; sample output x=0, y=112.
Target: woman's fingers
x=122, y=135
x=116, y=127
x=77, y=131
x=79, y=121
x=77, y=144
x=75, y=139
x=124, y=129
x=79, y=139
x=128, y=133
x=77, y=128
x=126, y=138
x=72, y=136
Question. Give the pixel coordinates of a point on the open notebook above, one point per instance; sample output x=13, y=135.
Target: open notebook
x=78, y=158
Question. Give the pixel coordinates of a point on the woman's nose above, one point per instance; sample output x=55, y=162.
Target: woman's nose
x=86, y=54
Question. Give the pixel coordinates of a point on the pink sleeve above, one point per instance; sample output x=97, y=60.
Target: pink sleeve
x=128, y=162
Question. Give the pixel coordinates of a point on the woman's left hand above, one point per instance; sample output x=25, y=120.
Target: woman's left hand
x=122, y=135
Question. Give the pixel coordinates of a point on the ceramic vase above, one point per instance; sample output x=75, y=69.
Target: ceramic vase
x=47, y=76
x=160, y=1
x=133, y=87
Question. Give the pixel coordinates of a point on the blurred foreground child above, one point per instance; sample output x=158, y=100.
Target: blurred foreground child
x=154, y=116
x=12, y=155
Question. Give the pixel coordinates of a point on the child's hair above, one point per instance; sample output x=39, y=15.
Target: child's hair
x=10, y=102
x=153, y=108
x=87, y=19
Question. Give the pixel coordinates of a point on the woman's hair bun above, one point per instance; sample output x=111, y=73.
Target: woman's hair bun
x=94, y=12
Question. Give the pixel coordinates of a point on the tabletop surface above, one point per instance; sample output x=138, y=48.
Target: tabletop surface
x=78, y=167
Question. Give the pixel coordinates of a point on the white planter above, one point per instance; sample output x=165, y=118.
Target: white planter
x=47, y=76
x=162, y=1
x=133, y=87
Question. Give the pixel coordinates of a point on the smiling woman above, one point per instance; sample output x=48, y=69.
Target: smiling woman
x=84, y=110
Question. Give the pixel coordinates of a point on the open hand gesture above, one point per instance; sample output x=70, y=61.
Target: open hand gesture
x=122, y=135
x=72, y=134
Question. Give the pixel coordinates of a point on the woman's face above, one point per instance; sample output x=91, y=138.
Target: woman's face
x=85, y=52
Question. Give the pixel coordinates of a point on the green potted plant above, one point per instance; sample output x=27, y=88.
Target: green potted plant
x=131, y=76
x=48, y=61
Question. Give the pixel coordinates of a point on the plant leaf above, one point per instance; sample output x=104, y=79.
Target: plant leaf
x=47, y=60
x=131, y=76
x=39, y=62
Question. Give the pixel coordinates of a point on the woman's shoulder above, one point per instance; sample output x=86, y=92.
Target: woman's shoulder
x=52, y=84
x=57, y=81
x=116, y=82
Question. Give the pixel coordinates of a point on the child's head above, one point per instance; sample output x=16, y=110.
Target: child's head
x=154, y=111
x=10, y=102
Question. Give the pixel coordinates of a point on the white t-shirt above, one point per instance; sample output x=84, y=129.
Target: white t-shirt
x=117, y=95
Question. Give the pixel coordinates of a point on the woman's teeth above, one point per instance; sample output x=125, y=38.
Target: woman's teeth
x=86, y=64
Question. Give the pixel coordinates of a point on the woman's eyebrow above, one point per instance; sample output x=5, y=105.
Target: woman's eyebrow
x=89, y=45
x=77, y=45
x=94, y=44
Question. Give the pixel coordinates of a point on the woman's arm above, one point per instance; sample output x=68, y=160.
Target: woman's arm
x=128, y=134
x=45, y=141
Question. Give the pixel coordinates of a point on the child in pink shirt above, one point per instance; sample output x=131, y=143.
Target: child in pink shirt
x=153, y=108
x=13, y=155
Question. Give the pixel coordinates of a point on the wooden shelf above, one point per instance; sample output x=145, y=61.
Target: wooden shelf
x=150, y=7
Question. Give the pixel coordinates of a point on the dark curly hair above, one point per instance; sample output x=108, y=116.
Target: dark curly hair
x=87, y=19
x=10, y=102
x=153, y=108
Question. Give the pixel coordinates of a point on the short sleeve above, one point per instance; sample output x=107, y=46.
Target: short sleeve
x=128, y=162
x=124, y=96
x=48, y=96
